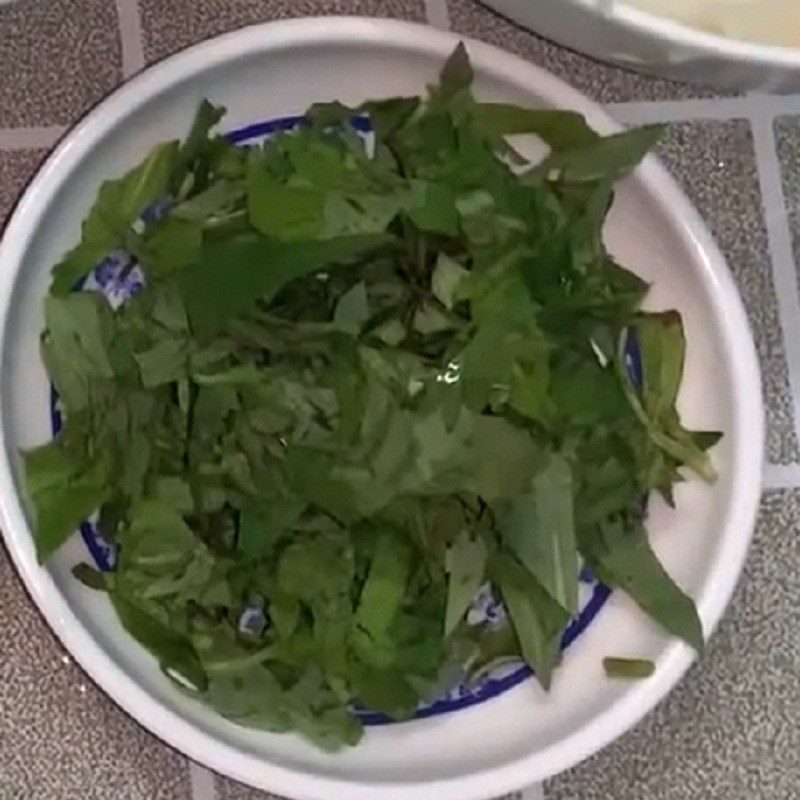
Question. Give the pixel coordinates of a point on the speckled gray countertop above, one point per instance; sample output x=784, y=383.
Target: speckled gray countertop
x=731, y=730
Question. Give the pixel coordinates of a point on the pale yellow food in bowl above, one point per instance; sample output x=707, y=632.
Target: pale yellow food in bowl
x=773, y=22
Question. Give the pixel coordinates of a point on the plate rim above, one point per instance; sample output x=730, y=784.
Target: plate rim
x=672, y=204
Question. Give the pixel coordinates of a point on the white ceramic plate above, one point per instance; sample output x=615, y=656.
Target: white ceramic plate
x=521, y=735
x=641, y=41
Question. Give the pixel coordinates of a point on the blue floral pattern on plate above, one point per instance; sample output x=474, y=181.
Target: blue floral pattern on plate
x=119, y=278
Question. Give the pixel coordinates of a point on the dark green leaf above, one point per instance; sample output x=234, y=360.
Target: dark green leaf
x=197, y=141
x=231, y=275
x=537, y=619
x=608, y=159
x=169, y=246
x=119, y=203
x=262, y=525
x=621, y=556
x=456, y=75
x=628, y=667
x=433, y=209
x=561, y=130
x=164, y=362
x=174, y=653
x=662, y=346
x=89, y=577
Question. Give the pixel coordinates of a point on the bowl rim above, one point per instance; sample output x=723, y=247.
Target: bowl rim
x=650, y=24
x=676, y=209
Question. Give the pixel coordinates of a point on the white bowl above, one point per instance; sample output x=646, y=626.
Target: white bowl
x=523, y=735
x=641, y=41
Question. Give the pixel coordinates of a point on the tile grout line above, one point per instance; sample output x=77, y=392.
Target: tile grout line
x=644, y=111
x=437, y=14
x=30, y=138
x=780, y=476
x=784, y=272
x=130, y=35
x=203, y=782
x=776, y=105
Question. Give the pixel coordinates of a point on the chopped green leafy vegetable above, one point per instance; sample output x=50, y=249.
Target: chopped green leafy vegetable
x=628, y=667
x=89, y=576
x=360, y=387
x=119, y=204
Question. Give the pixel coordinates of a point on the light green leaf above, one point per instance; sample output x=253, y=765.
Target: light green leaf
x=76, y=345
x=447, y=276
x=209, y=207
x=503, y=458
x=466, y=567
x=164, y=362
x=119, y=203
x=280, y=210
x=385, y=587
x=539, y=529
x=352, y=310
x=317, y=569
x=63, y=493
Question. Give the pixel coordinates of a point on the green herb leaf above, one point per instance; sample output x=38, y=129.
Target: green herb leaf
x=466, y=567
x=537, y=619
x=628, y=667
x=661, y=343
x=607, y=159
x=89, y=577
x=231, y=275
x=562, y=130
x=447, y=276
x=174, y=653
x=168, y=247
x=119, y=203
x=456, y=75
x=352, y=310
x=622, y=557
x=63, y=492
x=383, y=592
x=539, y=529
